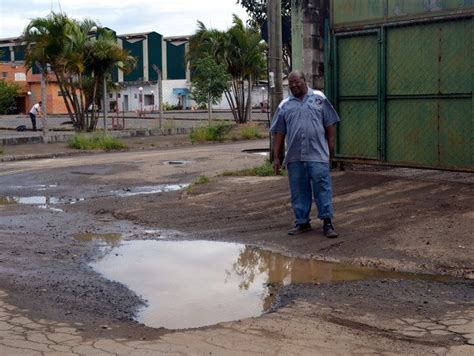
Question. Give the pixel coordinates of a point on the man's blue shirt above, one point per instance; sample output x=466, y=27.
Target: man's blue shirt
x=303, y=123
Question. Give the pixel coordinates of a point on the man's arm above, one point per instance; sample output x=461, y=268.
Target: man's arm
x=331, y=137
x=278, y=143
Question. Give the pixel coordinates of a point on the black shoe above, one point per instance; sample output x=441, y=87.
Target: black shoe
x=299, y=229
x=329, y=231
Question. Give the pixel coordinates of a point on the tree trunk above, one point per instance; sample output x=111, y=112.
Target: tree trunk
x=209, y=108
x=248, y=116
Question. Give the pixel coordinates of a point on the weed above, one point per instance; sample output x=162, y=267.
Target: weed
x=191, y=189
x=216, y=131
x=169, y=124
x=202, y=180
x=250, y=131
x=97, y=141
x=264, y=170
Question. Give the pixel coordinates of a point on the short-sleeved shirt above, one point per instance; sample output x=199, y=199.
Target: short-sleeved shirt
x=303, y=122
x=36, y=109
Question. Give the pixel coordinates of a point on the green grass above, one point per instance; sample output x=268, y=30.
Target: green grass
x=203, y=179
x=98, y=141
x=264, y=170
x=249, y=132
x=216, y=131
x=1, y=151
x=169, y=124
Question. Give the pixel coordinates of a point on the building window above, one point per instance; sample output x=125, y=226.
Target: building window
x=4, y=74
x=149, y=99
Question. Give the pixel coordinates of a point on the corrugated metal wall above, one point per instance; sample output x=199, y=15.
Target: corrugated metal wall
x=403, y=83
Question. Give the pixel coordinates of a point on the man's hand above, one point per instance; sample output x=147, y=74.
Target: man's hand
x=276, y=166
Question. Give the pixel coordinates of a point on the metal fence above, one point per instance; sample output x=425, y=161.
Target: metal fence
x=404, y=91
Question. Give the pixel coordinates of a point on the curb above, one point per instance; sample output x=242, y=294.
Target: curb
x=55, y=138
x=65, y=137
x=45, y=155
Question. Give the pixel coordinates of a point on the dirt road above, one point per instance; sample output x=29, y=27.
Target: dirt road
x=393, y=219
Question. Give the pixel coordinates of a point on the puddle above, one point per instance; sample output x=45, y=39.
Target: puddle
x=190, y=284
x=112, y=239
x=41, y=201
x=152, y=189
x=7, y=201
x=45, y=202
x=259, y=151
x=178, y=162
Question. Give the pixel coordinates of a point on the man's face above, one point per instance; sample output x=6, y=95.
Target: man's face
x=297, y=86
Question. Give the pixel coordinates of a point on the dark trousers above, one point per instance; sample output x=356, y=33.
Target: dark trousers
x=33, y=121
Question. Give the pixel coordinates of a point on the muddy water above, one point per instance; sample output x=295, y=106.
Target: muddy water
x=196, y=283
x=110, y=238
x=45, y=202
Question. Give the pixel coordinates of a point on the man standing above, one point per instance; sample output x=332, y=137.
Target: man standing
x=307, y=120
x=35, y=110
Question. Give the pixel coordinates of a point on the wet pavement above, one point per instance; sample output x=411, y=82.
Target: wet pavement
x=272, y=335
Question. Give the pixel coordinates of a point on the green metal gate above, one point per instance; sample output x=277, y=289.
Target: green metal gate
x=404, y=88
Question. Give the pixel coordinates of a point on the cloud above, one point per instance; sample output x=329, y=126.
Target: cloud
x=170, y=18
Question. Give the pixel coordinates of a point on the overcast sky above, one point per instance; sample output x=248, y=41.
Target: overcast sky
x=167, y=17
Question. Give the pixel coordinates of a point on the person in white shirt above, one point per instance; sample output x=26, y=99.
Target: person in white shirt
x=35, y=110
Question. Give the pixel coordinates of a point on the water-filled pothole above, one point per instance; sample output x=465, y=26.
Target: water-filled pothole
x=110, y=238
x=197, y=283
x=40, y=201
x=151, y=189
x=178, y=162
x=259, y=151
x=46, y=202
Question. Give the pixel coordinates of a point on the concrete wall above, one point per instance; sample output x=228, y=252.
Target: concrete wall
x=308, y=39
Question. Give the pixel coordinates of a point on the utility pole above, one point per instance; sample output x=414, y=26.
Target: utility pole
x=160, y=93
x=105, y=103
x=275, y=52
x=44, y=111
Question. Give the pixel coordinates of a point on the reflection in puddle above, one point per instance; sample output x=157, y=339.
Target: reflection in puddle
x=259, y=151
x=45, y=202
x=41, y=201
x=152, y=189
x=112, y=239
x=7, y=201
x=196, y=283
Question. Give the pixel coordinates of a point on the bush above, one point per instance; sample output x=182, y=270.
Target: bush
x=8, y=92
x=96, y=142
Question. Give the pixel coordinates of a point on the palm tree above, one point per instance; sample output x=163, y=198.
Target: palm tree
x=240, y=50
x=77, y=53
x=103, y=56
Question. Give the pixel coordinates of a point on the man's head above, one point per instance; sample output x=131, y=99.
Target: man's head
x=40, y=102
x=297, y=84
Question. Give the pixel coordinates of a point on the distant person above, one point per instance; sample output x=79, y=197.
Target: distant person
x=35, y=110
x=308, y=122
